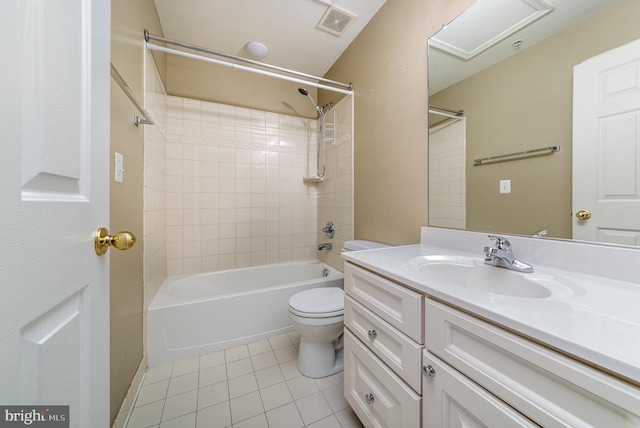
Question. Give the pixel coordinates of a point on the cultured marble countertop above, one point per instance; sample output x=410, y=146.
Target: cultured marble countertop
x=595, y=319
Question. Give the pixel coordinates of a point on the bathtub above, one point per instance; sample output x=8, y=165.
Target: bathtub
x=195, y=314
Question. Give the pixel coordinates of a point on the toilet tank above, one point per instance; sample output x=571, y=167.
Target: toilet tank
x=358, y=245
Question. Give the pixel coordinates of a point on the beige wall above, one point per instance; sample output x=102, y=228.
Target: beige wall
x=387, y=64
x=204, y=81
x=518, y=105
x=129, y=19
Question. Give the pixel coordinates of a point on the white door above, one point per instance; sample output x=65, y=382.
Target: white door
x=54, y=117
x=606, y=146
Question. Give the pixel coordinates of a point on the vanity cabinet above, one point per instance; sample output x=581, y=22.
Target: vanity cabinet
x=413, y=361
x=383, y=346
x=471, y=356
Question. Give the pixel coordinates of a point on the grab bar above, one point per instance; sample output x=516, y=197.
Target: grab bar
x=552, y=149
x=146, y=117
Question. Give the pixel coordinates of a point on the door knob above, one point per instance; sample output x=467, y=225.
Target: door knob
x=122, y=241
x=583, y=215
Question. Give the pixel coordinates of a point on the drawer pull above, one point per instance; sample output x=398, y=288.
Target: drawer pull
x=369, y=398
x=429, y=371
x=372, y=334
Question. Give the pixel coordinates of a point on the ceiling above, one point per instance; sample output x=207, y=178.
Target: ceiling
x=287, y=27
x=488, y=31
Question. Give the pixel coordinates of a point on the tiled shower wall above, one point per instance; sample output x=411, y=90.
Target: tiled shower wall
x=235, y=196
x=155, y=183
x=447, y=180
x=335, y=201
x=224, y=189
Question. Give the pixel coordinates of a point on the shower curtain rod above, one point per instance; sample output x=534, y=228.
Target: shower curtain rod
x=148, y=36
x=146, y=117
x=449, y=115
x=455, y=114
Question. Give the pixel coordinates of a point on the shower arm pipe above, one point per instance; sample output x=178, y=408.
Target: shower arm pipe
x=245, y=68
x=148, y=36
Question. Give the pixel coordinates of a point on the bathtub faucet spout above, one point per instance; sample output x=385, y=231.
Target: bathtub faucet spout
x=325, y=247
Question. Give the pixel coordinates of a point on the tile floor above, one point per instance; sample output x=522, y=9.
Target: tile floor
x=250, y=386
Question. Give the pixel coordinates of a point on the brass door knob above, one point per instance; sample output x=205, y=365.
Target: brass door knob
x=122, y=241
x=583, y=215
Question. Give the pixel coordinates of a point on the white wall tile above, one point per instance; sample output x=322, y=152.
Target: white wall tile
x=239, y=172
x=447, y=176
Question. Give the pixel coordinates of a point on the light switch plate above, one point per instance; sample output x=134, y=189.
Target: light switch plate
x=119, y=168
x=505, y=186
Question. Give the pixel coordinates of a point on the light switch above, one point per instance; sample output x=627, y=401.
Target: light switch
x=119, y=167
x=505, y=186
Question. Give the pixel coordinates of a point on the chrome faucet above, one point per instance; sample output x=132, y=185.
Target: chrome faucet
x=539, y=233
x=329, y=229
x=325, y=247
x=502, y=256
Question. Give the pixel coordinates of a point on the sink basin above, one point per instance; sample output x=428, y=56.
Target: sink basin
x=473, y=274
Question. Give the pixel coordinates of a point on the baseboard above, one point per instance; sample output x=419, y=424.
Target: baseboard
x=127, y=404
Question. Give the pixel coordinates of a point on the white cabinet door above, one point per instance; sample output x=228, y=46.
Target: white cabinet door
x=450, y=400
x=54, y=116
x=606, y=146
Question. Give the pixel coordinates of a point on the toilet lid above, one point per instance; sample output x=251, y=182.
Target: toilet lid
x=318, y=302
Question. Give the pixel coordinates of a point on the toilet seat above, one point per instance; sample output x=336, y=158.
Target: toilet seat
x=325, y=302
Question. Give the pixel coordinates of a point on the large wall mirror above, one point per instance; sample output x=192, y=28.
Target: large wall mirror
x=501, y=134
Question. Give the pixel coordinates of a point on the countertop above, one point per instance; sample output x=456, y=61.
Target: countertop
x=593, y=318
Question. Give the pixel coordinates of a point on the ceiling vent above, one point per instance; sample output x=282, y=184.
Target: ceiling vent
x=335, y=21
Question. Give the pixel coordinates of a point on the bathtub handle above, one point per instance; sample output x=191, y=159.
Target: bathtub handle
x=372, y=334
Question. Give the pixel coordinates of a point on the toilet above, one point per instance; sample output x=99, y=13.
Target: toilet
x=318, y=316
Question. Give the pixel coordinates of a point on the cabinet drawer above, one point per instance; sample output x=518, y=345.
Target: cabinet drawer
x=377, y=396
x=395, y=349
x=397, y=305
x=547, y=387
x=452, y=400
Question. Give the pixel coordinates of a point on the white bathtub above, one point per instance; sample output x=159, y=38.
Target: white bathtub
x=195, y=314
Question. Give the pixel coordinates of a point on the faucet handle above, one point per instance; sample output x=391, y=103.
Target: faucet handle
x=501, y=242
x=490, y=252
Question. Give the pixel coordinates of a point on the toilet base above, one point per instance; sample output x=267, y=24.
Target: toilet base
x=316, y=360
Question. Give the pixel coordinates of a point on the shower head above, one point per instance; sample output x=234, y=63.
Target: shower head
x=303, y=91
